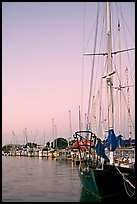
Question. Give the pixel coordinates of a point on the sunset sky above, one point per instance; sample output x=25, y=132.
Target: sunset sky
x=42, y=56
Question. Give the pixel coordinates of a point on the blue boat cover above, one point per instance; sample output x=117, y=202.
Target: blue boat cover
x=100, y=150
x=112, y=140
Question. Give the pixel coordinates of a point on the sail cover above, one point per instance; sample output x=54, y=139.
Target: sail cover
x=112, y=140
x=100, y=150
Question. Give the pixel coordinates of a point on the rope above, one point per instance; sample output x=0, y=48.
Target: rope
x=126, y=180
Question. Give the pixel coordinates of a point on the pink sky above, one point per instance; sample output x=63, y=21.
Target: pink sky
x=42, y=46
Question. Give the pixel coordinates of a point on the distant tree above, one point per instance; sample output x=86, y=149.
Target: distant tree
x=61, y=143
x=48, y=144
x=6, y=148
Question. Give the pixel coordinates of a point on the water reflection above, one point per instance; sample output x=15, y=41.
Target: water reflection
x=87, y=197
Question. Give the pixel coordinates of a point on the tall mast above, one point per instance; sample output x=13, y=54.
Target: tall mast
x=26, y=136
x=109, y=82
x=55, y=135
x=71, y=136
x=94, y=115
x=119, y=74
x=53, y=132
x=85, y=121
x=79, y=119
x=109, y=71
x=129, y=115
x=44, y=137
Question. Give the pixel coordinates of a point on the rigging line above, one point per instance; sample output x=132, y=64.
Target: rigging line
x=133, y=74
x=122, y=174
x=91, y=81
x=124, y=33
x=120, y=11
x=117, y=111
x=94, y=126
x=119, y=87
x=97, y=112
x=91, y=33
x=99, y=59
x=101, y=129
x=89, y=37
x=101, y=109
x=129, y=111
x=83, y=60
x=124, y=97
x=113, y=34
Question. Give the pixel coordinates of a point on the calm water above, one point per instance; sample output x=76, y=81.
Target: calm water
x=31, y=179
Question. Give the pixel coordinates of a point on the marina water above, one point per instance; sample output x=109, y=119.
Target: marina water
x=32, y=179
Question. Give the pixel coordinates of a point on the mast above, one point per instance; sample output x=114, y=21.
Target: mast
x=129, y=115
x=26, y=137
x=14, y=138
x=85, y=121
x=109, y=71
x=56, y=136
x=109, y=83
x=71, y=136
x=79, y=119
x=94, y=115
x=119, y=74
x=53, y=132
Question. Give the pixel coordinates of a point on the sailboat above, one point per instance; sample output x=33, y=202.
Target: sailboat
x=107, y=167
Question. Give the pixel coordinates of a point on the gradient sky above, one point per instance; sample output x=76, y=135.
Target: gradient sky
x=42, y=45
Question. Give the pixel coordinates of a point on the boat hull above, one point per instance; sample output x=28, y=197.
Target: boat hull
x=108, y=182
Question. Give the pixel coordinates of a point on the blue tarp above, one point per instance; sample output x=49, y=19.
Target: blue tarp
x=100, y=150
x=112, y=140
x=127, y=143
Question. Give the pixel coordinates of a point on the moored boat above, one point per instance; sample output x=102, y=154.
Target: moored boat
x=107, y=167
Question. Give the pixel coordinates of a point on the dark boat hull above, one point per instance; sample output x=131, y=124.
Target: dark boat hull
x=108, y=182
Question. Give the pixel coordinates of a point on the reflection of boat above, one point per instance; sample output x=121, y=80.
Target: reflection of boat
x=87, y=197
x=107, y=169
